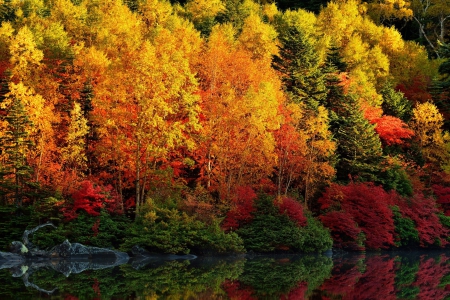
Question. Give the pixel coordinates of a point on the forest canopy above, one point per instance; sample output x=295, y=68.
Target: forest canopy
x=206, y=108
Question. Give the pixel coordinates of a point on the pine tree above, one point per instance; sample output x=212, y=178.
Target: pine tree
x=395, y=104
x=359, y=146
x=300, y=69
x=14, y=144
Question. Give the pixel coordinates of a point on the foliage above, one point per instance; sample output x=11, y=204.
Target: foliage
x=363, y=205
x=423, y=211
x=405, y=229
x=168, y=230
x=442, y=198
x=241, y=213
x=271, y=230
x=359, y=147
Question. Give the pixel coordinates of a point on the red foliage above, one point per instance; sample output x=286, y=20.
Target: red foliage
x=423, y=211
x=443, y=197
x=392, y=130
x=236, y=291
x=293, y=209
x=241, y=212
x=429, y=276
x=365, y=204
x=344, y=230
x=297, y=293
x=92, y=199
x=416, y=91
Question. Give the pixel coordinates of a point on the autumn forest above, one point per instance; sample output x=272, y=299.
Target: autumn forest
x=209, y=126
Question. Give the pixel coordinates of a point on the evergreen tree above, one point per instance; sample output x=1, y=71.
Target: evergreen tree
x=14, y=146
x=441, y=87
x=395, y=104
x=300, y=69
x=359, y=146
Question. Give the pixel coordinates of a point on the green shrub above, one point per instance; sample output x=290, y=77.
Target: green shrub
x=405, y=229
x=168, y=230
x=271, y=231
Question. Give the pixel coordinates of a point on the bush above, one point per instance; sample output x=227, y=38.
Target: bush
x=168, y=230
x=359, y=206
x=407, y=234
x=271, y=230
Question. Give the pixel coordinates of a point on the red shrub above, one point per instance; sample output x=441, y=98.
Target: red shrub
x=367, y=205
x=241, y=212
x=344, y=230
x=92, y=199
x=423, y=211
x=443, y=197
x=293, y=209
x=392, y=130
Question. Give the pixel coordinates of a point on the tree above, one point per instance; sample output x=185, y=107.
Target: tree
x=73, y=154
x=240, y=100
x=359, y=147
x=14, y=146
x=427, y=124
x=299, y=67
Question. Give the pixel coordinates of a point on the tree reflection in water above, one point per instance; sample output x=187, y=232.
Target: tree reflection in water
x=399, y=275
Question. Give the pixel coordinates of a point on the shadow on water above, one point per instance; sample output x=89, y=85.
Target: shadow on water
x=387, y=275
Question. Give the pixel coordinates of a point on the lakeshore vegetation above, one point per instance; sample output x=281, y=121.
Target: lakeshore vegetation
x=226, y=126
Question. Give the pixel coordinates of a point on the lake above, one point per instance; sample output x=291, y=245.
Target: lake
x=387, y=275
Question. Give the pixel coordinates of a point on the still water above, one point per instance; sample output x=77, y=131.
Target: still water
x=390, y=275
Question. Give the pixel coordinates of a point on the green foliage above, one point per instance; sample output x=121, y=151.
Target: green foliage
x=359, y=146
x=405, y=229
x=315, y=236
x=105, y=231
x=395, y=178
x=271, y=231
x=15, y=143
x=13, y=222
x=299, y=65
x=395, y=104
x=168, y=230
x=445, y=220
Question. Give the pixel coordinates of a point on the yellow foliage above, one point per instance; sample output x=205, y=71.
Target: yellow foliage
x=427, y=124
x=202, y=9
x=258, y=38
x=24, y=53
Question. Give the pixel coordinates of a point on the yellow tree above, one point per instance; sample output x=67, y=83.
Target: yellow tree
x=240, y=98
x=427, y=124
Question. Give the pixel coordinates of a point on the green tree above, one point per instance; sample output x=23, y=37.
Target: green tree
x=14, y=145
x=300, y=68
x=395, y=104
x=359, y=146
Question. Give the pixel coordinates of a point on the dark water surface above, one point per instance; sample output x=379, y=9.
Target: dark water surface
x=387, y=275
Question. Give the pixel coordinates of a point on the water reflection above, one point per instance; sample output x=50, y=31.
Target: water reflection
x=399, y=275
